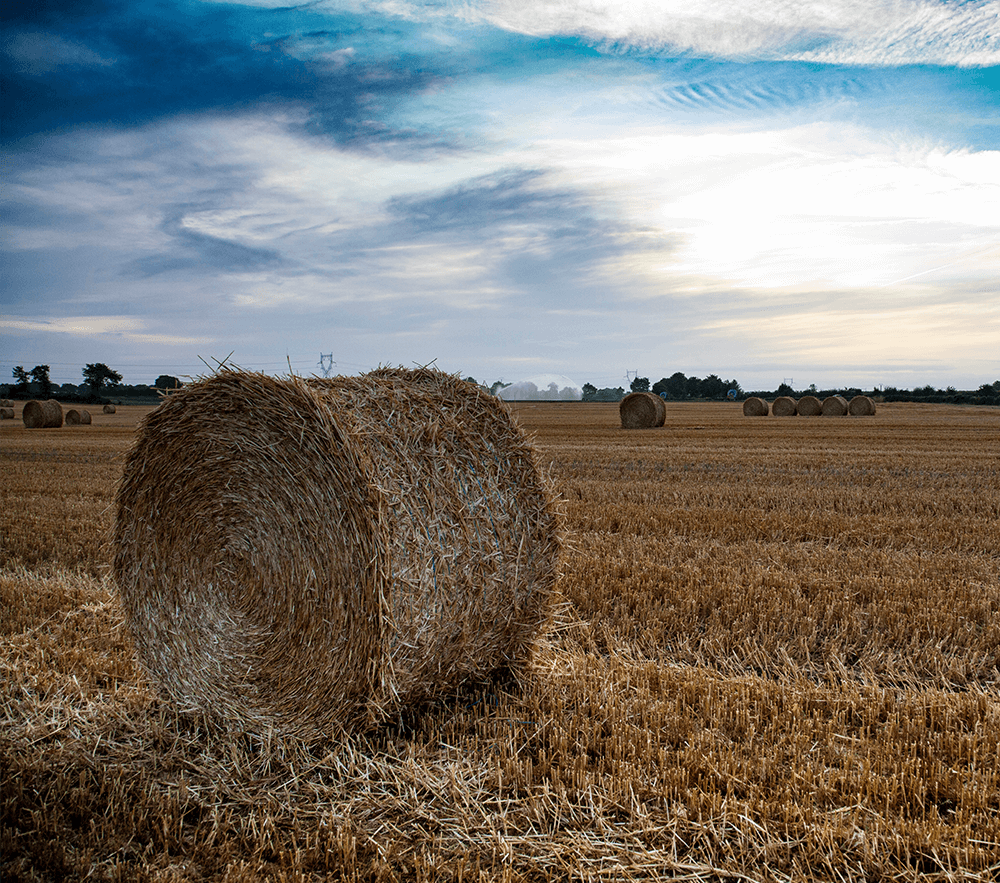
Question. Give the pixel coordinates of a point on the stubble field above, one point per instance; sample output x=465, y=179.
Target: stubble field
x=777, y=657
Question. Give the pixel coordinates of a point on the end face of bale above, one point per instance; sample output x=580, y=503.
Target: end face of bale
x=834, y=406
x=6, y=413
x=861, y=406
x=809, y=406
x=42, y=415
x=109, y=409
x=784, y=406
x=250, y=557
x=755, y=407
x=642, y=410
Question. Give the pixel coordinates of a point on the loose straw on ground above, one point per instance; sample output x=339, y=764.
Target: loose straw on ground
x=642, y=410
x=301, y=557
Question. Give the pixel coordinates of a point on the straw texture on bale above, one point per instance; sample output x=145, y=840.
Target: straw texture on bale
x=809, y=406
x=305, y=556
x=642, y=410
x=861, y=406
x=834, y=406
x=784, y=406
x=6, y=413
x=42, y=415
x=109, y=409
x=755, y=407
x=6, y=403
x=77, y=418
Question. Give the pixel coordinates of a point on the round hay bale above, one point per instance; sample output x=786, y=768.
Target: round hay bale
x=42, y=415
x=642, y=410
x=6, y=413
x=109, y=409
x=834, y=406
x=6, y=403
x=861, y=406
x=784, y=406
x=302, y=557
x=75, y=418
x=755, y=407
x=809, y=406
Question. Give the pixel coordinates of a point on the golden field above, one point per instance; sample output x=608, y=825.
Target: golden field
x=776, y=657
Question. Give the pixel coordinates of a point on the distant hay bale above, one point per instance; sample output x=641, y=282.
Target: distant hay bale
x=861, y=406
x=6, y=413
x=305, y=556
x=109, y=409
x=834, y=406
x=810, y=406
x=642, y=410
x=755, y=407
x=42, y=415
x=784, y=406
x=6, y=403
x=78, y=418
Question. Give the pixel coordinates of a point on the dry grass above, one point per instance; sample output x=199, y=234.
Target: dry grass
x=777, y=660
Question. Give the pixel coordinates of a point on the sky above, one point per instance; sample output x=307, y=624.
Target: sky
x=766, y=190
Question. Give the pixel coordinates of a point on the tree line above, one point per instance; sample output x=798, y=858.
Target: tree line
x=679, y=387
x=99, y=381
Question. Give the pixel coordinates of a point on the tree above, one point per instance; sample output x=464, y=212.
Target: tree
x=165, y=381
x=676, y=385
x=785, y=390
x=23, y=378
x=640, y=384
x=97, y=374
x=40, y=374
x=589, y=391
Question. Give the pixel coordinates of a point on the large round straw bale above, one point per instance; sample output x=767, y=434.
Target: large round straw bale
x=42, y=415
x=861, y=406
x=834, y=406
x=305, y=556
x=109, y=409
x=6, y=403
x=755, y=407
x=642, y=410
x=809, y=406
x=784, y=406
x=76, y=418
x=6, y=413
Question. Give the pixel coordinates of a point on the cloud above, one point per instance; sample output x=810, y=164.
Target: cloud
x=856, y=32
x=129, y=327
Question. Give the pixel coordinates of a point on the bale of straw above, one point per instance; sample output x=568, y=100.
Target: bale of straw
x=809, y=406
x=78, y=418
x=834, y=406
x=784, y=406
x=6, y=413
x=42, y=415
x=861, y=406
x=109, y=409
x=304, y=557
x=642, y=410
x=755, y=407
x=6, y=403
